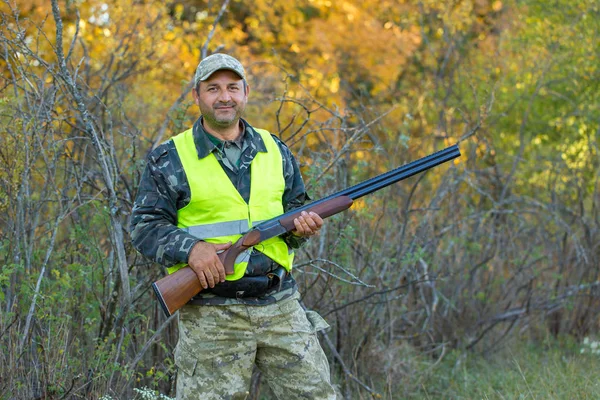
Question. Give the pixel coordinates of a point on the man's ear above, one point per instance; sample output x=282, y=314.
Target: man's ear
x=196, y=96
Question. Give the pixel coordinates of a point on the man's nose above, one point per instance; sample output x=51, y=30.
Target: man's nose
x=225, y=96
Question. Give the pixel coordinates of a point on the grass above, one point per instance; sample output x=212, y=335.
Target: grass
x=520, y=371
x=552, y=371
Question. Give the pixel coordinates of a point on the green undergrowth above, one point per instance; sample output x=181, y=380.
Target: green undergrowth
x=519, y=371
x=558, y=370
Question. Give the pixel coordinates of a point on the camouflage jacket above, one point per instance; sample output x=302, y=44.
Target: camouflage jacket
x=164, y=190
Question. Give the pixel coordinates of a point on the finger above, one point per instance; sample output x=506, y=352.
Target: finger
x=209, y=277
x=308, y=224
x=311, y=224
x=214, y=273
x=299, y=227
x=222, y=246
x=305, y=228
x=202, y=279
x=317, y=219
x=219, y=271
x=306, y=221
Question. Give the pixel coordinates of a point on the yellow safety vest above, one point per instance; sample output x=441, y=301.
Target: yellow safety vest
x=217, y=213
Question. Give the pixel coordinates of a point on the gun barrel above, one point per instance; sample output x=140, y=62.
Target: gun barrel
x=405, y=171
x=380, y=181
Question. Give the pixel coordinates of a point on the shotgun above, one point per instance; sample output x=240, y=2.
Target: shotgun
x=175, y=290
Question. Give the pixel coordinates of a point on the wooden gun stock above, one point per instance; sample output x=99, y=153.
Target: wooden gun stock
x=175, y=290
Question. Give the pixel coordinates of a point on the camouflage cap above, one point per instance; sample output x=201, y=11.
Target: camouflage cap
x=216, y=62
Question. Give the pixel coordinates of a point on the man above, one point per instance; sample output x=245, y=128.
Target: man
x=199, y=192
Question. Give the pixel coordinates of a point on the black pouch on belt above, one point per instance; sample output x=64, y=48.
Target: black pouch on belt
x=250, y=286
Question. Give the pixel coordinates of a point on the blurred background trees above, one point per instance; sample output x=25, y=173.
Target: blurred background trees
x=501, y=244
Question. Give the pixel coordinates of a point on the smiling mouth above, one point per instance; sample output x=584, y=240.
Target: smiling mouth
x=224, y=109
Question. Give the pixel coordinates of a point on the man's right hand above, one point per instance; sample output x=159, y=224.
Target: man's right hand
x=205, y=262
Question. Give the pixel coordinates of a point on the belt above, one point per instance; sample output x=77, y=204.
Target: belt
x=249, y=286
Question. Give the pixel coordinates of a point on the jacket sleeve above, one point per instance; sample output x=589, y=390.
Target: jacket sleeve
x=153, y=227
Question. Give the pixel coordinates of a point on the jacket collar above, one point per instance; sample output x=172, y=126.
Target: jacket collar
x=204, y=145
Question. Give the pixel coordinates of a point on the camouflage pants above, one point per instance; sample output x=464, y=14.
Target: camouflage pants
x=218, y=346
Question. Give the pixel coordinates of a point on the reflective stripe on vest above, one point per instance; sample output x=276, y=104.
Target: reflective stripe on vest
x=217, y=213
x=208, y=231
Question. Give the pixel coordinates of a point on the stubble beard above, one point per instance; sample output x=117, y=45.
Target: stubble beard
x=222, y=122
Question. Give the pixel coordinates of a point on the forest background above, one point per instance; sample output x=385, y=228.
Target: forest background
x=500, y=247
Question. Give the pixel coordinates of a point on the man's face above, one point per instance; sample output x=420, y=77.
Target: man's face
x=222, y=99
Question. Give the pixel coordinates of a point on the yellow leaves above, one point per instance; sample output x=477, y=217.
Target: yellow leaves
x=457, y=17
x=557, y=123
x=334, y=84
x=321, y=3
x=350, y=10
x=294, y=17
x=414, y=36
x=359, y=204
x=378, y=48
x=576, y=154
x=169, y=36
x=253, y=23
x=315, y=77
x=448, y=141
x=497, y=6
x=482, y=149
x=178, y=11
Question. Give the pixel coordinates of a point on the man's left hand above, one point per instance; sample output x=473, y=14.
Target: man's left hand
x=307, y=224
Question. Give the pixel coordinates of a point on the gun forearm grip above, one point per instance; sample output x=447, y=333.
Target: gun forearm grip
x=323, y=210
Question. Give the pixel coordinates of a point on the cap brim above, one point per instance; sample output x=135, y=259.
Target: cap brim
x=206, y=76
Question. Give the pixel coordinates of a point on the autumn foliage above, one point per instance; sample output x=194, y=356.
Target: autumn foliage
x=500, y=244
